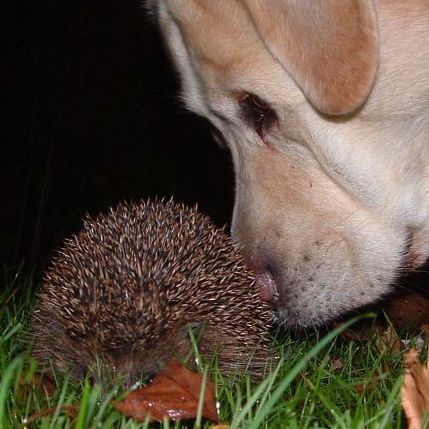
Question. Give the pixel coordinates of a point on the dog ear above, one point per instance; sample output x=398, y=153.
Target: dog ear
x=330, y=47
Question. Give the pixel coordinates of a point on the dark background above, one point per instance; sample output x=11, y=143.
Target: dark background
x=91, y=117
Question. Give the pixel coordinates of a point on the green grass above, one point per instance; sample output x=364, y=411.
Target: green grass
x=304, y=390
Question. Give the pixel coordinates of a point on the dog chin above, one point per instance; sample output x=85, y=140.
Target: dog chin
x=297, y=321
x=303, y=299
x=294, y=320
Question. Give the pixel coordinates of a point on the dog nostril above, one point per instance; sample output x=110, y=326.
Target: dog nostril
x=267, y=285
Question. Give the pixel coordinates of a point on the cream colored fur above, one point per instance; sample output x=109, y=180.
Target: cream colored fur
x=332, y=201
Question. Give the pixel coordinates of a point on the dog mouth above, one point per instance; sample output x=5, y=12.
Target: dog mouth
x=301, y=314
x=310, y=299
x=272, y=290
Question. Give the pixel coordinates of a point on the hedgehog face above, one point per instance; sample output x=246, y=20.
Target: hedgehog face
x=331, y=200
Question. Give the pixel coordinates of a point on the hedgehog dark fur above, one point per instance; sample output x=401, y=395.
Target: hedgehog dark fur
x=126, y=289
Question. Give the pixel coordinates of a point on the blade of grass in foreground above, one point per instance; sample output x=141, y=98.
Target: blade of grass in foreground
x=91, y=396
x=390, y=404
x=8, y=377
x=264, y=386
x=266, y=406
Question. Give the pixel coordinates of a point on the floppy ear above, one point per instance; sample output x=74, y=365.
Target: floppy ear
x=329, y=47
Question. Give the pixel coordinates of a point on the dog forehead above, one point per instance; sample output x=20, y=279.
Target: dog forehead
x=219, y=34
x=225, y=48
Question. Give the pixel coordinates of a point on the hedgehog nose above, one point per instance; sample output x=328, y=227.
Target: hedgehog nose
x=267, y=285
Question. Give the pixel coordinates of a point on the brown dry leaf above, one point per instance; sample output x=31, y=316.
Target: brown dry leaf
x=71, y=409
x=408, y=311
x=173, y=394
x=415, y=390
x=40, y=382
x=337, y=364
x=44, y=384
x=388, y=341
x=424, y=329
x=220, y=427
x=368, y=386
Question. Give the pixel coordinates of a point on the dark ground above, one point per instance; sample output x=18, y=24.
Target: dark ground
x=91, y=117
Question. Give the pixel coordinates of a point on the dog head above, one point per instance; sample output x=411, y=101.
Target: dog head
x=323, y=105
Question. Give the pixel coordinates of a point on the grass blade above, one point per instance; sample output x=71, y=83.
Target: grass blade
x=297, y=368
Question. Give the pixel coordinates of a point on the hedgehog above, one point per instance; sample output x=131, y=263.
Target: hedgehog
x=141, y=284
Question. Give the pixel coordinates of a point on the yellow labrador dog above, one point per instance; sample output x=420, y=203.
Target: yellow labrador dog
x=324, y=105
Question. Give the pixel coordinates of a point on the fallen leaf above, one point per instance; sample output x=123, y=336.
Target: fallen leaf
x=173, y=394
x=415, y=390
x=44, y=384
x=388, y=341
x=408, y=311
x=367, y=386
x=424, y=329
x=71, y=409
x=337, y=364
x=40, y=382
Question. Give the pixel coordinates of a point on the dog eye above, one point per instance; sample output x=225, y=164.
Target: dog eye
x=257, y=113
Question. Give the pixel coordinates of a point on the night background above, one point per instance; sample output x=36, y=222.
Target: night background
x=92, y=116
